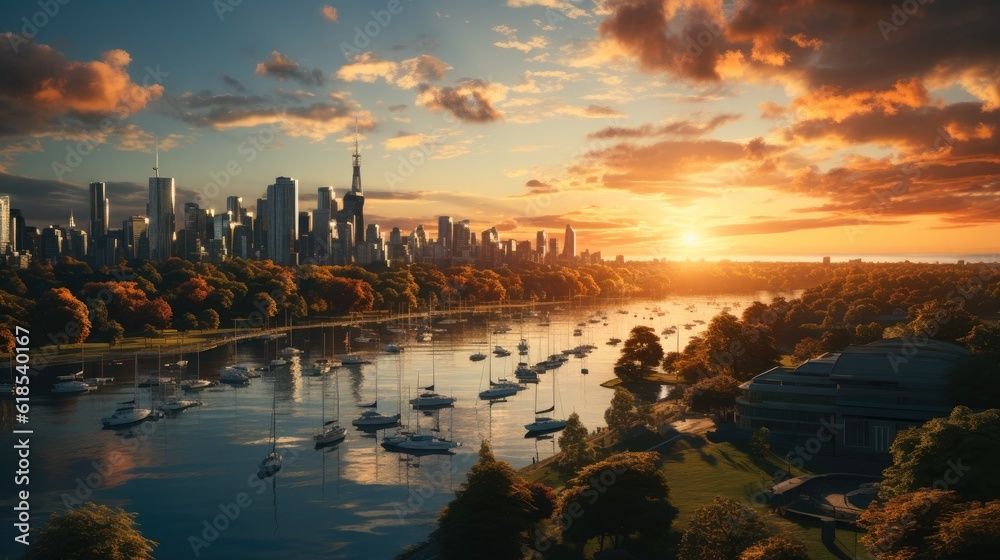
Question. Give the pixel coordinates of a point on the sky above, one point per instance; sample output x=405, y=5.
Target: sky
x=658, y=129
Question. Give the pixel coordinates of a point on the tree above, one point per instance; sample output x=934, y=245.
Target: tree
x=983, y=339
x=490, y=514
x=544, y=500
x=721, y=530
x=972, y=533
x=64, y=320
x=778, y=547
x=807, y=349
x=186, y=322
x=728, y=346
x=208, y=320
x=622, y=412
x=103, y=328
x=640, y=354
x=961, y=450
x=91, y=531
x=714, y=393
x=622, y=495
x=574, y=452
x=902, y=528
x=760, y=442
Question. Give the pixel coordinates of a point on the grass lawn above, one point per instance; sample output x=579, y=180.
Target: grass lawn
x=698, y=470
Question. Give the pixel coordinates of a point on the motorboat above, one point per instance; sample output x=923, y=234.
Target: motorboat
x=174, y=404
x=430, y=399
x=270, y=465
x=235, y=374
x=417, y=443
x=353, y=360
x=393, y=348
x=126, y=416
x=279, y=362
x=197, y=384
x=71, y=388
x=545, y=424
x=290, y=351
x=372, y=419
x=478, y=357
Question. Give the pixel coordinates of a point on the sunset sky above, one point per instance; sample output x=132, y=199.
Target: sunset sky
x=668, y=129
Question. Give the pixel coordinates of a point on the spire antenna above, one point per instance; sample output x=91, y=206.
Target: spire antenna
x=156, y=162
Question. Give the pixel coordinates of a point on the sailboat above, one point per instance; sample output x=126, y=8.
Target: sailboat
x=373, y=418
x=545, y=424
x=198, y=383
x=271, y=464
x=236, y=372
x=72, y=384
x=349, y=359
x=502, y=388
x=430, y=399
x=332, y=431
x=320, y=366
x=130, y=413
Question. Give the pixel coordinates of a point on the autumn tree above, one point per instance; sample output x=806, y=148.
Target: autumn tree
x=960, y=450
x=574, y=451
x=65, y=320
x=778, y=547
x=807, y=349
x=902, y=528
x=640, y=354
x=623, y=495
x=490, y=515
x=713, y=393
x=728, y=346
x=91, y=531
x=721, y=530
x=622, y=412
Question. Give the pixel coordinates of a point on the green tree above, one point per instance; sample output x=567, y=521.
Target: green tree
x=778, y=547
x=490, y=515
x=103, y=328
x=91, y=531
x=714, y=393
x=622, y=495
x=208, y=320
x=622, y=412
x=721, y=530
x=186, y=322
x=961, y=450
x=640, y=354
x=574, y=452
x=760, y=442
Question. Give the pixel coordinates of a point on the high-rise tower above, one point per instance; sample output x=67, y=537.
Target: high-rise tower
x=161, y=214
x=283, y=220
x=354, y=201
x=98, y=210
x=569, y=244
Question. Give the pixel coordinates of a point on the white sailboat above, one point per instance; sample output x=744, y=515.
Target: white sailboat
x=130, y=413
x=373, y=418
x=197, y=383
x=428, y=398
x=503, y=388
x=331, y=432
x=545, y=424
x=73, y=383
x=271, y=464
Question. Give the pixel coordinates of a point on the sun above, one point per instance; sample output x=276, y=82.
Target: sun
x=690, y=239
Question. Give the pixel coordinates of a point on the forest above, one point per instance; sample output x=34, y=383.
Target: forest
x=840, y=303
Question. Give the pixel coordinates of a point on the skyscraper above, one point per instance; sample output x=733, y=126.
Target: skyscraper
x=541, y=244
x=569, y=244
x=282, y=220
x=354, y=201
x=5, y=239
x=136, y=237
x=234, y=205
x=161, y=217
x=326, y=199
x=98, y=210
x=445, y=235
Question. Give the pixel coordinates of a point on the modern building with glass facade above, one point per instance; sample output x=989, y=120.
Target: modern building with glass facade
x=865, y=394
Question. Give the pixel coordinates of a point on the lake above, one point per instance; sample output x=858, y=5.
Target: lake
x=191, y=477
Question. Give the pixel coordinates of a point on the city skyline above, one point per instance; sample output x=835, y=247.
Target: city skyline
x=686, y=138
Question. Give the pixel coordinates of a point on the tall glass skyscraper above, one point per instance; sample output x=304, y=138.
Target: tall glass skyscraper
x=283, y=220
x=161, y=217
x=98, y=210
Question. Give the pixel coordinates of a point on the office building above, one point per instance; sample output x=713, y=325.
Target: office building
x=5, y=225
x=161, y=217
x=869, y=392
x=282, y=220
x=569, y=244
x=99, y=210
